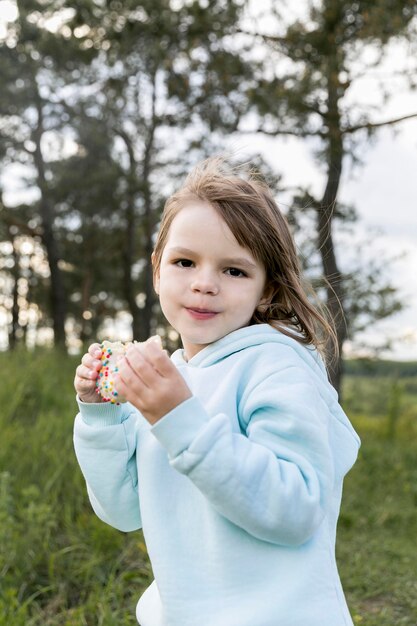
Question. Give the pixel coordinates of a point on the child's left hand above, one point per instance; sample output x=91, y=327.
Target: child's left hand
x=149, y=380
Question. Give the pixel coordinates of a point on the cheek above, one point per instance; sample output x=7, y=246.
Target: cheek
x=160, y=277
x=168, y=288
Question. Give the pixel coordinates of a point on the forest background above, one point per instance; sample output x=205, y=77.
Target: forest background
x=104, y=106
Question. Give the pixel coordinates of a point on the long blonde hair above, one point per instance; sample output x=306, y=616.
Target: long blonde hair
x=250, y=211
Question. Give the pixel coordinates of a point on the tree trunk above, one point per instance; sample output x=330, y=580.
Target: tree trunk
x=147, y=313
x=87, y=283
x=57, y=292
x=15, y=306
x=128, y=253
x=148, y=219
x=325, y=212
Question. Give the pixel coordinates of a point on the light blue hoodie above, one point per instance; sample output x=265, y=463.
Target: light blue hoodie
x=237, y=489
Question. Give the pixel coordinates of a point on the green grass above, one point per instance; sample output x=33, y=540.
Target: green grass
x=378, y=527
x=61, y=566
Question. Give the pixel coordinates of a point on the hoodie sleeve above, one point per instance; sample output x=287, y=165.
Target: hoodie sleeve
x=105, y=446
x=275, y=481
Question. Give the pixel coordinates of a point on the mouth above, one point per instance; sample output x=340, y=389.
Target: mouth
x=201, y=314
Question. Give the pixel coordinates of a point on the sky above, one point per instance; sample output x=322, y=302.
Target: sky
x=386, y=196
x=383, y=189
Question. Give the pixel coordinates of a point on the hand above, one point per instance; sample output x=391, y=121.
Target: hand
x=149, y=380
x=86, y=375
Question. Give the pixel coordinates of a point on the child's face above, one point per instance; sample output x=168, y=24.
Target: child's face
x=208, y=284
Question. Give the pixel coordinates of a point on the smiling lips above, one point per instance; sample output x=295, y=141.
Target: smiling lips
x=201, y=314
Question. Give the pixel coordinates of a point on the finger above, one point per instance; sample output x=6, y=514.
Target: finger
x=158, y=358
x=90, y=369
x=91, y=362
x=84, y=386
x=130, y=376
x=155, y=341
x=95, y=350
x=139, y=357
x=142, y=367
x=121, y=387
x=87, y=372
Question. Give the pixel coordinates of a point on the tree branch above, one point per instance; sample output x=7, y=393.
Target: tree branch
x=280, y=42
x=369, y=125
x=10, y=219
x=293, y=133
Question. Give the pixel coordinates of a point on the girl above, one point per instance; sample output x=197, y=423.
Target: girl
x=230, y=455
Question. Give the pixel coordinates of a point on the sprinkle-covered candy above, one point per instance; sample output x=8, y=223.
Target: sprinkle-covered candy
x=112, y=352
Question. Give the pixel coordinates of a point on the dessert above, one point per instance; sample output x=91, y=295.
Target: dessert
x=112, y=353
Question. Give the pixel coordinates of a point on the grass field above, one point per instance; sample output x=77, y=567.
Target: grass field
x=61, y=566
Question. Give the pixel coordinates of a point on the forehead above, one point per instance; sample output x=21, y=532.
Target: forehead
x=198, y=220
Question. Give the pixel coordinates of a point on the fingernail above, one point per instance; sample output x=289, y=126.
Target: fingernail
x=155, y=339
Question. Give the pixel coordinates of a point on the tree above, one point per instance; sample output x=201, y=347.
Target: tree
x=32, y=57
x=85, y=192
x=118, y=82
x=22, y=273
x=156, y=72
x=302, y=91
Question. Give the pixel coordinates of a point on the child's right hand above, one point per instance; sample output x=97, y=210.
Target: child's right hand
x=86, y=375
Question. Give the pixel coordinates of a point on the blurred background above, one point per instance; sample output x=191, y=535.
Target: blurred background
x=104, y=107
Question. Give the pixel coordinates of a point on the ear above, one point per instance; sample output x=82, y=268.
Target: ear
x=156, y=283
x=267, y=295
x=155, y=275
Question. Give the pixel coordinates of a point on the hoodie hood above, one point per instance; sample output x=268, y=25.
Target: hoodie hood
x=247, y=337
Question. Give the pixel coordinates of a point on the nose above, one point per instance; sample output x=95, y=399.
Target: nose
x=204, y=281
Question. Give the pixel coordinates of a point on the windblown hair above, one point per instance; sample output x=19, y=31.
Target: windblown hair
x=250, y=211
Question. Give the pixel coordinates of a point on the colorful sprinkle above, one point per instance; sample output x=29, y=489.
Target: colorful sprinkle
x=109, y=361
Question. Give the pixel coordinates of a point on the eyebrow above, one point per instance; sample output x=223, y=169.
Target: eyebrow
x=227, y=261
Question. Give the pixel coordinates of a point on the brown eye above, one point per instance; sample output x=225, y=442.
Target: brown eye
x=183, y=263
x=234, y=271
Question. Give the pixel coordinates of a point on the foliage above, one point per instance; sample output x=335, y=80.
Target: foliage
x=377, y=528
x=310, y=65
x=96, y=118
x=61, y=566
x=323, y=47
x=378, y=367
